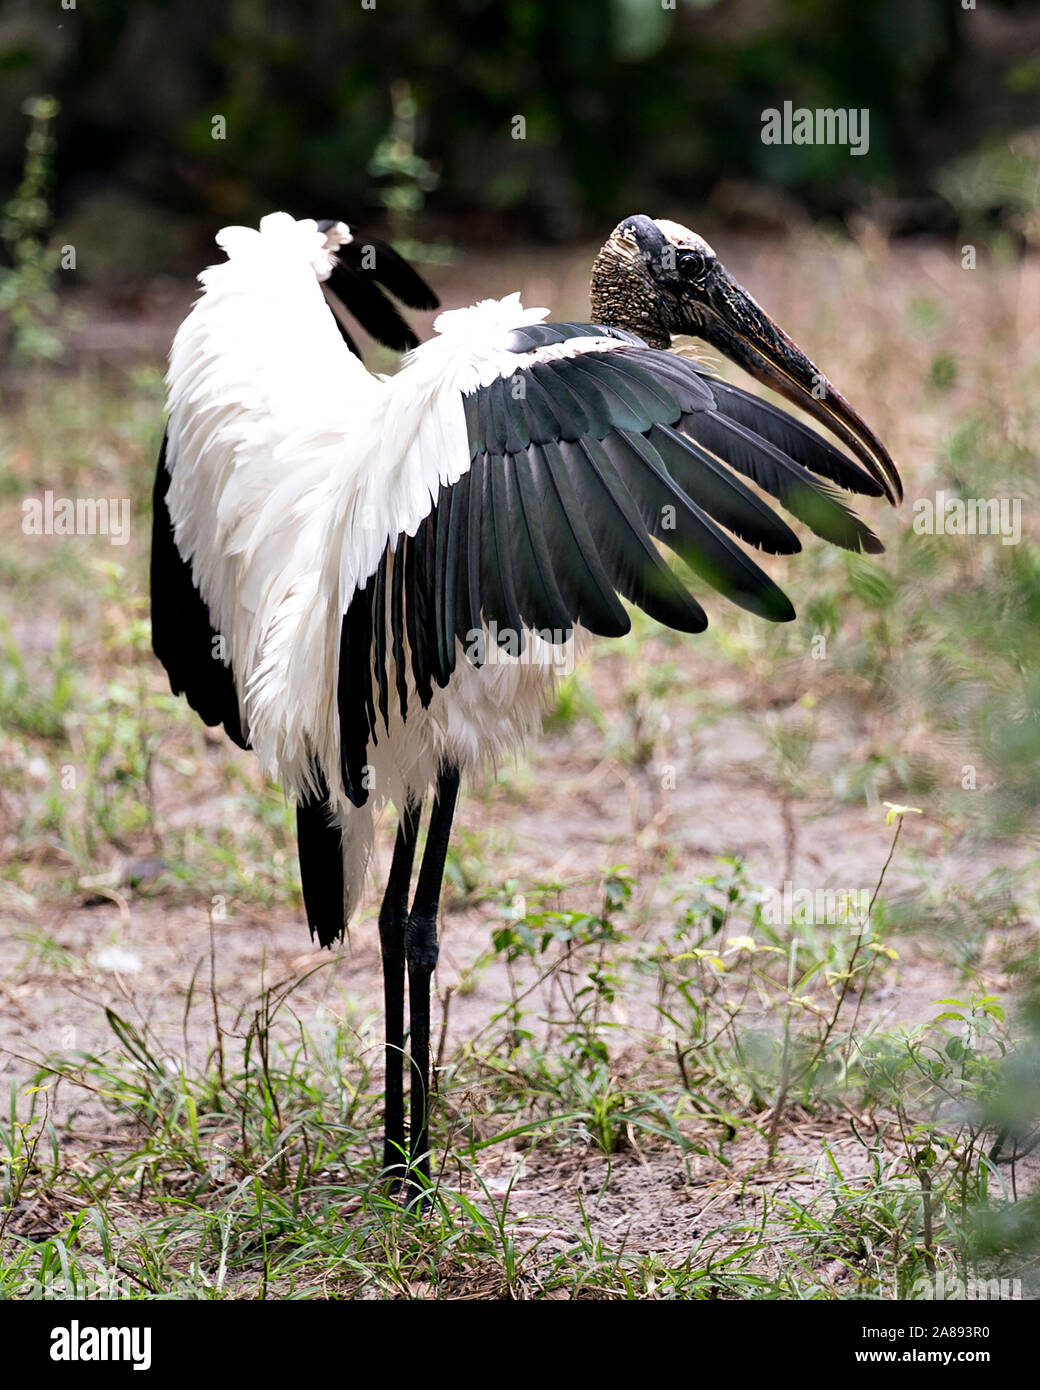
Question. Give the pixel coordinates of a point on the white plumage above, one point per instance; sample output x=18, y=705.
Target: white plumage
x=292, y=468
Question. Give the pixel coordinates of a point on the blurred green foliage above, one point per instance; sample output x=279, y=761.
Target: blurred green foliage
x=221, y=112
x=28, y=303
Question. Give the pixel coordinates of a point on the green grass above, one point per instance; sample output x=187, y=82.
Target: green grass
x=254, y=1173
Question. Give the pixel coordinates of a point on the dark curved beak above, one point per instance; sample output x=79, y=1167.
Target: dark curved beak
x=732, y=321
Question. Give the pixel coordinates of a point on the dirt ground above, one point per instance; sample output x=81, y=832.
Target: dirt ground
x=722, y=803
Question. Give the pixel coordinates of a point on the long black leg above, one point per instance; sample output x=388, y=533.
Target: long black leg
x=393, y=915
x=421, y=951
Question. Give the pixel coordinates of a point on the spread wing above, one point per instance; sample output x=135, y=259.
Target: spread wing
x=594, y=449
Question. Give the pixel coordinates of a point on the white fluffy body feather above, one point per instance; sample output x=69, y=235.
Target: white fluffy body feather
x=292, y=468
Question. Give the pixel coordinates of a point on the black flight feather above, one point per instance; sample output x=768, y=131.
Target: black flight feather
x=796, y=440
x=812, y=502
x=354, y=693
x=183, y=638
x=362, y=270
x=320, y=846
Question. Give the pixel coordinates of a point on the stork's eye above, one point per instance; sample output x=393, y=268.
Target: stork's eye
x=693, y=264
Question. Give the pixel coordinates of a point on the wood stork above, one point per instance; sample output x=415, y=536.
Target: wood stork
x=369, y=580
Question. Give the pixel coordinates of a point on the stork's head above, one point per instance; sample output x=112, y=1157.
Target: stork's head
x=659, y=279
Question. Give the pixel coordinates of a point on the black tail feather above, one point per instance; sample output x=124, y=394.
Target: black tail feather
x=320, y=844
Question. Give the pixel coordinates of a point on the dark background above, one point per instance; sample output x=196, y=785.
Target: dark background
x=332, y=109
